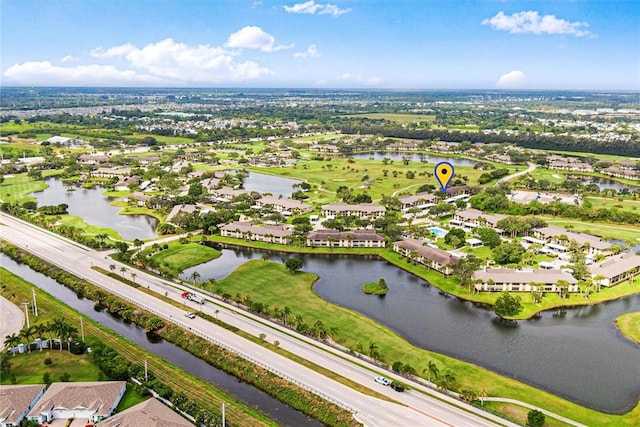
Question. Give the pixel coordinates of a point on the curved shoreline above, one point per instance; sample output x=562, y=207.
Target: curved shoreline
x=632, y=334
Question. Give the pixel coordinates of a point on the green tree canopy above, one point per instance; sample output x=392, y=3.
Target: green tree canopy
x=507, y=305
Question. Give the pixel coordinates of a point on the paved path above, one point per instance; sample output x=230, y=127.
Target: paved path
x=531, y=168
x=11, y=319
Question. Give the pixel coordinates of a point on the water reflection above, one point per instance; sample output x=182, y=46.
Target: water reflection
x=241, y=391
x=576, y=353
x=95, y=208
x=269, y=184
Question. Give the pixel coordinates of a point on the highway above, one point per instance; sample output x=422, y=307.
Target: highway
x=414, y=408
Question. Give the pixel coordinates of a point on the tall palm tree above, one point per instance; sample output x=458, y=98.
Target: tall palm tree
x=123, y=270
x=27, y=334
x=286, y=311
x=10, y=341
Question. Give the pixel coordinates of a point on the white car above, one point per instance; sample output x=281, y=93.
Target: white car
x=190, y=315
x=382, y=380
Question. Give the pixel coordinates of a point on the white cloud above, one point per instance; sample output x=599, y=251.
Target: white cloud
x=532, y=22
x=313, y=8
x=113, y=51
x=44, y=73
x=165, y=62
x=252, y=37
x=347, y=76
x=374, y=81
x=68, y=58
x=512, y=80
x=311, y=52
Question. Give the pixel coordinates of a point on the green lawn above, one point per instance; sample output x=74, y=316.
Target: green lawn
x=17, y=290
x=18, y=187
x=130, y=398
x=629, y=324
x=29, y=368
x=271, y=283
x=604, y=230
x=179, y=257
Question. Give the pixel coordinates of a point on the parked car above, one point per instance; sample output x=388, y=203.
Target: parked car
x=382, y=380
x=397, y=387
x=190, y=315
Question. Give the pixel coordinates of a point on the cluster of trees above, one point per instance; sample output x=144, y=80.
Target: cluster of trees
x=59, y=328
x=522, y=139
x=494, y=199
x=487, y=177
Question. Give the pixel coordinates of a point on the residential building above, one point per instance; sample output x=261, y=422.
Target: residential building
x=616, y=269
x=422, y=201
x=588, y=243
x=472, y=218
x=512, y=280
x=88, y=159
x=362, y=210
x=210, y=184
x=432, y=257
x=16, y=401
x=190, y=209
x=346, y=239
x=138, y=198
x=123, y=184
x=111, y=172
x=225, y=194
x=92, y=401
x=150, y=413
x=286, y=206
x=264, y=233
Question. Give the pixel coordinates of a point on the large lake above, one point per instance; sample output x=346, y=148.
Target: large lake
x=275, y=185
x=96, y=209
x=576, y=353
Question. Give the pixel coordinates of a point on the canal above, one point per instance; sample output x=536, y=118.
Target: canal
x=241, y=391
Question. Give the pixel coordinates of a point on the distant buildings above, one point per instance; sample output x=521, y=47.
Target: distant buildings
x=265, y=233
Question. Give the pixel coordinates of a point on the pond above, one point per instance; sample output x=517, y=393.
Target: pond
x=275, y=185
x=96, y=209
x=576, y=353
x=241, y=391
x=397, y=157
x=604, y=183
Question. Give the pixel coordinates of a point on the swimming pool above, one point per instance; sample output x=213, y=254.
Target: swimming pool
x=438, y=231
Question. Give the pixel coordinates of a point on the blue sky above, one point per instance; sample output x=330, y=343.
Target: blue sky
x=399, y=44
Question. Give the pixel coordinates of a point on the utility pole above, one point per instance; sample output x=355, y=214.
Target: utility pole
x=26, y=312
x=146, y=372
x=223, y=421
x=35, y=304
x=82, y=329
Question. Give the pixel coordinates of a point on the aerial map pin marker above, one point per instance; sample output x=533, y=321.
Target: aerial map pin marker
x=444, y=173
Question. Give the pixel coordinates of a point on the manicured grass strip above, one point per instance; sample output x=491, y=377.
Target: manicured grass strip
x=307, y=402
x=29, y=368
x=179, y=257
x=271, y=283
x=629, y=325
x=518, y=414
x=18, y=187
x=17, y=290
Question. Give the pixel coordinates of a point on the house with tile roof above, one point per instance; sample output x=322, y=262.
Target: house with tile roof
x=92, y=401
x=434, y=258
x=16, y=401
x=150, y=413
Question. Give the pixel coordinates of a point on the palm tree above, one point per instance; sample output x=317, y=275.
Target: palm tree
x=101, y=238
x=286, y=311
x=123, y=270
x=598, y=281
x=27, y=334
x=112, y=267
x=41, y=329
x=195, y=276
x=11, y=341
x=374, y=351
x=432, y=369
x=133, y=277
x=265, y=256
